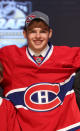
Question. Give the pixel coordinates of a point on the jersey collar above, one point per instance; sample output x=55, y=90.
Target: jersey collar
x=46, y=57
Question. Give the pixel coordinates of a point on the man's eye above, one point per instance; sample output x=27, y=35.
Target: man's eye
x=32, y=31
x=43, y=31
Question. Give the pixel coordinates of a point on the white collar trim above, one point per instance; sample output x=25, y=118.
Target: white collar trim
x=46, y=57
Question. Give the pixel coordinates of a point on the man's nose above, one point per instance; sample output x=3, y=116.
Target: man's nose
x=38, y=35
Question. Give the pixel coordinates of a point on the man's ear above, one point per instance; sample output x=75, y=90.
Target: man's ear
x=50, y=33
x=25, y=34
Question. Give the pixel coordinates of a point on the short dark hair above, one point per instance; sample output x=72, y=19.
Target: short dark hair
x=37, y=20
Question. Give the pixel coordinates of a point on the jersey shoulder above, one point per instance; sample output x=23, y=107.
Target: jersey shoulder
x=66, y=50
x=11, y=51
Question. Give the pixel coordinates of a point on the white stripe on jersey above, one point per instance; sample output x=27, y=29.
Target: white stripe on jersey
x=70, y=127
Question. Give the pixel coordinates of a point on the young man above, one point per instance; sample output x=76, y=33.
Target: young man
x=38, y=79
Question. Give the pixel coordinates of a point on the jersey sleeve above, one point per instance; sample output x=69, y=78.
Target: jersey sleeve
x=68, y=57
x=8, y=116
x=74, y=56
x=8, y=66
x=75, y=52
x=6, y=60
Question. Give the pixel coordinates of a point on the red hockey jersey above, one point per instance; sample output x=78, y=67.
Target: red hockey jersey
x=43, y=93
x=8, y=119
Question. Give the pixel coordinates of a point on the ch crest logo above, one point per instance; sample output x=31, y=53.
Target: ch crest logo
x=42, y=97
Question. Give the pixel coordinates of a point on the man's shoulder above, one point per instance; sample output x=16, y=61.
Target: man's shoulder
x=66, y=51
x=12, y=52
x=61, y=47
x=11, y=49
x=66, y=48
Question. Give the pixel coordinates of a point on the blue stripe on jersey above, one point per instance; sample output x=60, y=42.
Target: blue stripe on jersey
x=74, y=129
x=71, y=128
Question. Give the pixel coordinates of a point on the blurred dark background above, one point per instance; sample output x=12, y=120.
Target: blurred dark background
x=64, y=19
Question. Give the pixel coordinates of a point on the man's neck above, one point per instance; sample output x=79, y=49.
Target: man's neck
x=37, y=53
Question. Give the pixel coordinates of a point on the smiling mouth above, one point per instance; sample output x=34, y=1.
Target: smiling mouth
x=37, y=42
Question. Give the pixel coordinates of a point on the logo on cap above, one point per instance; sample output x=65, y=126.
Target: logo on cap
x=30, y=18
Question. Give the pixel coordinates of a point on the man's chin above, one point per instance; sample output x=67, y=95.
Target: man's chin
x=38, y=49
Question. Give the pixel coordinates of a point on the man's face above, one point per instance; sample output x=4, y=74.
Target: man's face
x=37, y=38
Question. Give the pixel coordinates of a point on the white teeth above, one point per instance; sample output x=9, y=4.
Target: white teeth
x=37, y=42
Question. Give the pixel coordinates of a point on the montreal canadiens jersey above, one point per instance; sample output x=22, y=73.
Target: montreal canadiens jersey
x=8, y=120
x=42, y=93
